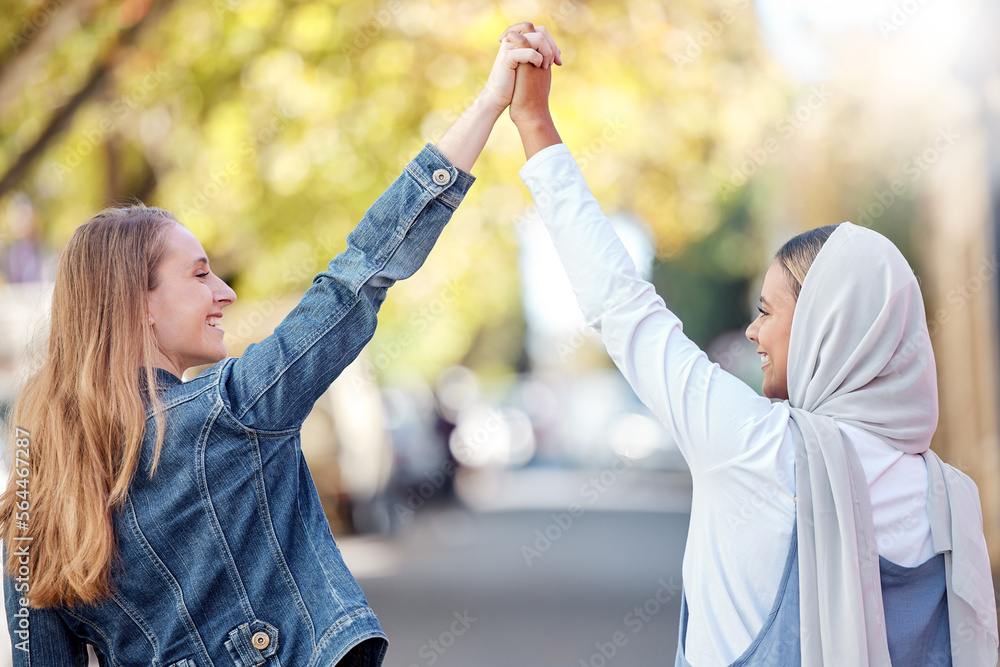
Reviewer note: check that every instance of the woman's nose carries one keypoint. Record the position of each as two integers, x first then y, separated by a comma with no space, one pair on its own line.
752,331
225,293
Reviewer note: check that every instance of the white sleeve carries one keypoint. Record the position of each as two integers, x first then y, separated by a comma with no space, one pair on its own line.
714,417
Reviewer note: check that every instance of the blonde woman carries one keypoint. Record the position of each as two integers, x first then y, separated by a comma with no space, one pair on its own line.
175,523
823,530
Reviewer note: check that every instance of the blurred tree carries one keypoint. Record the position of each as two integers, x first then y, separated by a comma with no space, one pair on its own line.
268,128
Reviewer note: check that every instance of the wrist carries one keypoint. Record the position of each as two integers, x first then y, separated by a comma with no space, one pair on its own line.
532,120
464,140
488,105
537,132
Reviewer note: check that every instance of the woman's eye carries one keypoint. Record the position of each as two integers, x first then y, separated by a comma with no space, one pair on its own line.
761,311
202,275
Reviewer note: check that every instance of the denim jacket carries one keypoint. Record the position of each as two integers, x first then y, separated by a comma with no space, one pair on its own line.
225,556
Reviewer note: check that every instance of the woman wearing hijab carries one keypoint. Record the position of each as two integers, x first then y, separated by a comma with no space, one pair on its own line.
175,523
823,530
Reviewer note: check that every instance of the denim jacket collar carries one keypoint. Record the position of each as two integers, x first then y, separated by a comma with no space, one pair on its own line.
164,381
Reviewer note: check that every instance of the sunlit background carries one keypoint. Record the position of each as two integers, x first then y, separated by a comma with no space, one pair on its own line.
494,484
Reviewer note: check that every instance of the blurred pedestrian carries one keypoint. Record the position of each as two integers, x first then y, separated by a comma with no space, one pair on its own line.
175,523
823,531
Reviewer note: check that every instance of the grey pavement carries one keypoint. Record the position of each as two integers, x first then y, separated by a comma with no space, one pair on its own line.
531,587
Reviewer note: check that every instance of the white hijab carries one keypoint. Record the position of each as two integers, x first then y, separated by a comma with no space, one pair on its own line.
860,354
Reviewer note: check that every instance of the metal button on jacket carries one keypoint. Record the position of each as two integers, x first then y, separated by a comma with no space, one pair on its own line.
260,640
442,176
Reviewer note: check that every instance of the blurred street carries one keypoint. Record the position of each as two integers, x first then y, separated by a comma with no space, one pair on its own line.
455,586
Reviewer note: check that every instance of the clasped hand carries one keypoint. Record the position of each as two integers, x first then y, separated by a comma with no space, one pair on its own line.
521,77
522,73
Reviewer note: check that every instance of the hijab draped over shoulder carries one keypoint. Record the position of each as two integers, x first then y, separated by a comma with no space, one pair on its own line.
860,354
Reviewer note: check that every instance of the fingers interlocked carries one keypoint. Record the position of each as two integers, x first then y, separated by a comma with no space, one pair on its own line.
527,35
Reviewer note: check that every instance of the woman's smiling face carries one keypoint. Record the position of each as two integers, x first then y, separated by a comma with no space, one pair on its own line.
773,328
185,309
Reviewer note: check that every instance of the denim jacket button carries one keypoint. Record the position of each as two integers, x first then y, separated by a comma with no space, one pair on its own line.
442,176
260,640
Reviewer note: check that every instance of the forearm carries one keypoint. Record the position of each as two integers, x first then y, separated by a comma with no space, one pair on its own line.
612,295
599,267
463,142
275,383
397,232
706,409
530,110
634,324
537,133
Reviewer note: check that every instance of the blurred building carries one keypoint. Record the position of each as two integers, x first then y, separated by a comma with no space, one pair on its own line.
909,145
961,254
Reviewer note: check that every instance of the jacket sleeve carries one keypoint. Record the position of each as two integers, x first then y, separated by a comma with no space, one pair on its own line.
713,416
275,383
38,637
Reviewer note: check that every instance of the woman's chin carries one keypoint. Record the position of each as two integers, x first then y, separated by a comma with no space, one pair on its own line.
772,393
775,394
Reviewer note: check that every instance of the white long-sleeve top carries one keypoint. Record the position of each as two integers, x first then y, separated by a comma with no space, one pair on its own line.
737,443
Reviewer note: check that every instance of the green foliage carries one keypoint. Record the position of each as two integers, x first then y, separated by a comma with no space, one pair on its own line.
269,127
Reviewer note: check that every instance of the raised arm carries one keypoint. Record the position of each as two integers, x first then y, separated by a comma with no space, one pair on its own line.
275,383
712,415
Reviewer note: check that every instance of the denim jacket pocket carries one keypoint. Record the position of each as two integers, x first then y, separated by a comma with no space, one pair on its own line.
186,662
251,644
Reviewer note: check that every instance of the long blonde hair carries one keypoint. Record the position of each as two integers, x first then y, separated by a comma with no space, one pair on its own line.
81,413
